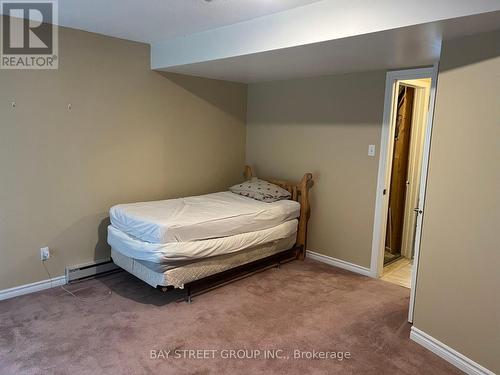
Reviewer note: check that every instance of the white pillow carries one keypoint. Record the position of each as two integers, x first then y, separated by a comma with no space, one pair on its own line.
260,190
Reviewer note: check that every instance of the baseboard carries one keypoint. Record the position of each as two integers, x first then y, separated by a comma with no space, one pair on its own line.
90,269
32,288
448,354
339,263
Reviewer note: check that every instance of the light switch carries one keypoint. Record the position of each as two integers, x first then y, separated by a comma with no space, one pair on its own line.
371,150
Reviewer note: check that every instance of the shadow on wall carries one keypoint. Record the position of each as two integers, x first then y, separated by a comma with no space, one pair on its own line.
227,99
326,100
456,58
102,249
77,240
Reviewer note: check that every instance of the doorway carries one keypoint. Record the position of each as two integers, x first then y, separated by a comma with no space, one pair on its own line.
410,118
404,152
399,172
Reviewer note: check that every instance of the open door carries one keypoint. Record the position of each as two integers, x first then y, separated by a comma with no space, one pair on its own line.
419,210
388,148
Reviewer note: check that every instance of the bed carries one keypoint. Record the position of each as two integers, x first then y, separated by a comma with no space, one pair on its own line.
185,242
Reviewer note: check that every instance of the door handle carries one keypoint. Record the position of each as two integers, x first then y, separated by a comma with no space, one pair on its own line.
418,210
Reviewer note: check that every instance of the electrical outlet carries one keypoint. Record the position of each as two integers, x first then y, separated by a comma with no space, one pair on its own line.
44,253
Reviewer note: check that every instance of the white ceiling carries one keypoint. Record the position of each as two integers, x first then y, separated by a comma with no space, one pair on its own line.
156,20
392,49
259,40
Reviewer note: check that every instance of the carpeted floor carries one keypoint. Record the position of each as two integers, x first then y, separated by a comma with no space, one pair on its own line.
303,306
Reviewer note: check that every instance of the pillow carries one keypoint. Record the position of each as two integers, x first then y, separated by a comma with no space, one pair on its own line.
260,190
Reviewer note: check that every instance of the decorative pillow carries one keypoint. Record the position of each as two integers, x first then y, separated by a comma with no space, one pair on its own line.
260,190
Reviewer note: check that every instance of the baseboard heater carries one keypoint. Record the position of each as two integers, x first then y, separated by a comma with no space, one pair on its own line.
90,269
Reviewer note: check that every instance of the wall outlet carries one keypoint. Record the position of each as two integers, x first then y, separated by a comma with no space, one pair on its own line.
44,253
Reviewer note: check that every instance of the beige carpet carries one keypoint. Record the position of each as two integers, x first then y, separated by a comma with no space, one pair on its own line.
304,306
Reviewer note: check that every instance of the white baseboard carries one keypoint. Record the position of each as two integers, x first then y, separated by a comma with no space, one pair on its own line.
448,354
89,269
339,263
32,288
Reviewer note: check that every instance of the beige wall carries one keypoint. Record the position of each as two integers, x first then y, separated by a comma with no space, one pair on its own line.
323,125
458,290
131,135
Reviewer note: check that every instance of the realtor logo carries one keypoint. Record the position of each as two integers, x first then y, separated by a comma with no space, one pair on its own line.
29,35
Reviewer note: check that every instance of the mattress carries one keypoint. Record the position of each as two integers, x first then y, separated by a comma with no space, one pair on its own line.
179,251
178,276
201,217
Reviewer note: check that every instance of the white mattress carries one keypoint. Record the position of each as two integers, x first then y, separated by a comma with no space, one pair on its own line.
200,217
176,251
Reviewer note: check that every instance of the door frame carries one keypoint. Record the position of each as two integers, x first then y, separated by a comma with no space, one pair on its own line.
385,166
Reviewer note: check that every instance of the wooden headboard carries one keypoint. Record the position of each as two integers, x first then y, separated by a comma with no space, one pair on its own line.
300,193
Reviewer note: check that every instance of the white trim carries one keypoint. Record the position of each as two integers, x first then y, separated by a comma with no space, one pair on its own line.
384,171
32,288
339,263
450,355
381,201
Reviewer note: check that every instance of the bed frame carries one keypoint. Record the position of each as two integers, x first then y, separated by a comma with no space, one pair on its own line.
299,193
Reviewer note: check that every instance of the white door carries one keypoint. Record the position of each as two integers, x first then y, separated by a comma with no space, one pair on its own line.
420,210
